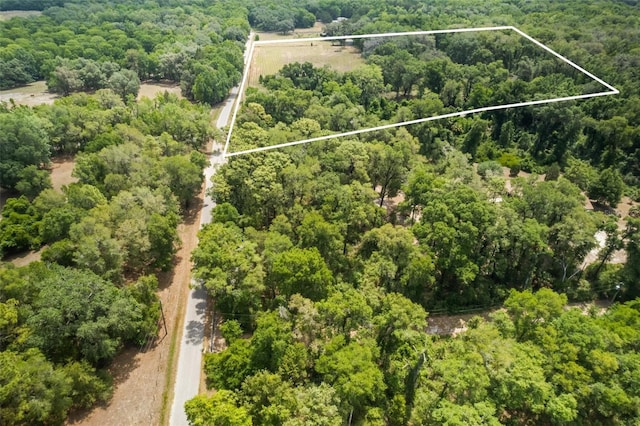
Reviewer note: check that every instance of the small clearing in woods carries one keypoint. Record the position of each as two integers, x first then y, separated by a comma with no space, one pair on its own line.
151,90
8,14
314,31
32,94
61,169
37,94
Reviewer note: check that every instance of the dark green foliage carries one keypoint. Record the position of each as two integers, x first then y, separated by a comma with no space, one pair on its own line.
19,227
32,181
79,315
59,325
607,189
23,142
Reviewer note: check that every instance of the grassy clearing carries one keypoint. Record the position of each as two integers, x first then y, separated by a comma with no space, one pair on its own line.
8,14
269,59
151,90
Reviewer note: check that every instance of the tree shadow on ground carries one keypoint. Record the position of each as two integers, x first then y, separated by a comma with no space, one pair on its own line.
189,217
195,332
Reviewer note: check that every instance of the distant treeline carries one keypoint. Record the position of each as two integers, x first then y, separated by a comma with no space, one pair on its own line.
29,4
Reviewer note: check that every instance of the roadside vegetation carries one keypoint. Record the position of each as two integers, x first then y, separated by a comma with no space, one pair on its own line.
325,259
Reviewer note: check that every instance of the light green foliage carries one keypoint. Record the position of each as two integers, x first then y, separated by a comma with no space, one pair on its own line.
580,173
301,271
316,232
229,368
231,331
316,405
270,341
488,169
607,189
399,322
530,310
220,409
228,265
87,385
33,391
269,398
351,369
347,311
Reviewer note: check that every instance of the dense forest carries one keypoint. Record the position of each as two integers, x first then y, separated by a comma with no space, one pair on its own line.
325,259
333,281
138,166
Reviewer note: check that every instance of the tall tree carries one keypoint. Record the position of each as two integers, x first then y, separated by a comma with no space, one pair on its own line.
23,142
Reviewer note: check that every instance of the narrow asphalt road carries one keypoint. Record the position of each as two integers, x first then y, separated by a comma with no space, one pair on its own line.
187,381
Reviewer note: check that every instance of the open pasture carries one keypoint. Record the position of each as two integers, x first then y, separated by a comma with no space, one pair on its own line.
269,59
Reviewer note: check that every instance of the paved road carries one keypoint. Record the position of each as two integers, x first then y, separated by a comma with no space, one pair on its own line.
190,357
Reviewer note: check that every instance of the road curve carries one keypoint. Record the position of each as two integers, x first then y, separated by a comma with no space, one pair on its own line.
187,381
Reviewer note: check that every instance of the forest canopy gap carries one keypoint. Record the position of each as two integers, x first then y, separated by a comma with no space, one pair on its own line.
611,90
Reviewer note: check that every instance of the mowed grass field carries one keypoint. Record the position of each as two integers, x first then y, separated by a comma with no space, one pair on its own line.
270,59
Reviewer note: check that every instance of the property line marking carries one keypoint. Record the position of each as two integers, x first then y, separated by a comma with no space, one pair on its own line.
612,90
238,100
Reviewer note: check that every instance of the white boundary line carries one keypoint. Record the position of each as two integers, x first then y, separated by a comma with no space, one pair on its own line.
612,90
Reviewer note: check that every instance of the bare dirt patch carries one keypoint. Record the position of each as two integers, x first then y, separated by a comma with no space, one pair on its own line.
61,170
32,94
23,259
450,325
151,90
